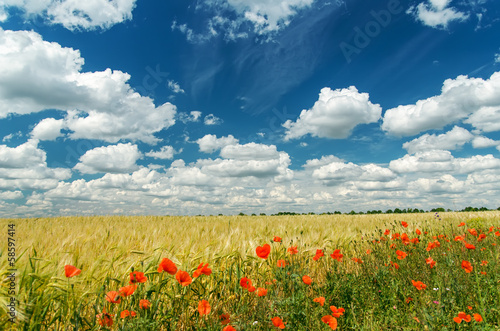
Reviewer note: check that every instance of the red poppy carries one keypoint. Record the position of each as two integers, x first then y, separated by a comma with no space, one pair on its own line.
467,266
277,239
127,290
408,299
331,321
418,232
292,250
144,304
358,260
261,292
478,318
245,282
202,269
307,280
224,319
337,312
203,307
401,255
229,328
104,319
168,266
281,263
387,231
405,239
113,297
336,255
415,240
459,238
461,224
263,251
483,263
277,322
472,232
497,233
71,271
183,278
404,224
320,300
462,317
481,237
319,254
251,288
469,246
368,251
127,313
137,277
430,262
419,285
395,265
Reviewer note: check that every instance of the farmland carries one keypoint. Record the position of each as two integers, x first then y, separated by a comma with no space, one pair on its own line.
366,272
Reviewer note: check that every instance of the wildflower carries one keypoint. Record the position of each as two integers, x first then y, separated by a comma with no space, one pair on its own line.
401,255
469,307
245,282
483,263
409,299
113,297
144,304
436,302
462,317
331,321
387,231
358,260
71,271
466,266
203,307
281,263
224,319
395,265
127,313
104,319
307,280
277,322
430,262
183,278
137,277
491,229
368,251
497,233
319,254
251,289
263,251
168,266
461,224
481,237
416,319
469,246
292,250
472,232
337,312
261,292
459,238
414,240
418,232
320,300
277,239
483,273
478,318
404,224
405,239
229,328
336,255
202,269
419,285
127,290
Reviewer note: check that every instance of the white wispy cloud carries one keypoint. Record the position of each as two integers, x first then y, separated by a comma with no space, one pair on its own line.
436,13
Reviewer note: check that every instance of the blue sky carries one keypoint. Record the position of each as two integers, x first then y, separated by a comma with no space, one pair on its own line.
208,107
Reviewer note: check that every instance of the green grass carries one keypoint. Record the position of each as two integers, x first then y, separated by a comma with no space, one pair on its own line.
374,294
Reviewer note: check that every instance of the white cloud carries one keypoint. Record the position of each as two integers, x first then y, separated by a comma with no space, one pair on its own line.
444,184
250,151
165,153
210,143
497,58
119,158
175,87
74,14
436,13
48,129
193,116
484,142
36,75
424,161
473,100
334,115
11,195
451,140
211,119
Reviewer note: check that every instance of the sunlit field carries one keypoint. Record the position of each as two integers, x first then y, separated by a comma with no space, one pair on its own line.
310,272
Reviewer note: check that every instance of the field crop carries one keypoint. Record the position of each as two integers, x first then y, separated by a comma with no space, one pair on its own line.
360,272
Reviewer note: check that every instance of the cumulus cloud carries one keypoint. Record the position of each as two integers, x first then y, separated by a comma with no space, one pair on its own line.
193,116
211,119
436,13
334,115
74,14
473,100
210,143
48,129
119,158
484,142
451,140
165,153
36,75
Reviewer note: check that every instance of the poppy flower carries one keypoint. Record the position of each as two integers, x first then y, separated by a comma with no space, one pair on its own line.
113,297
127,290
224,319
277,239
71,271
331,321
401,255
168,266
358,260
462,317
336,255
251,289
307,280
368,251
419,285
337,312
469,246
459,238
386,232
292,250
104,319
430,262
263,251
281,263
461,224
481,237
202,269
229,328
183,278
261,292
395,265
245,282
467,266
137,277
127,313
469,307
320,300
404,224
478,318
408,299
144,304
319,254
405,239
472,232
483,263
497,233
277,322
418,232
415,240
203,307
